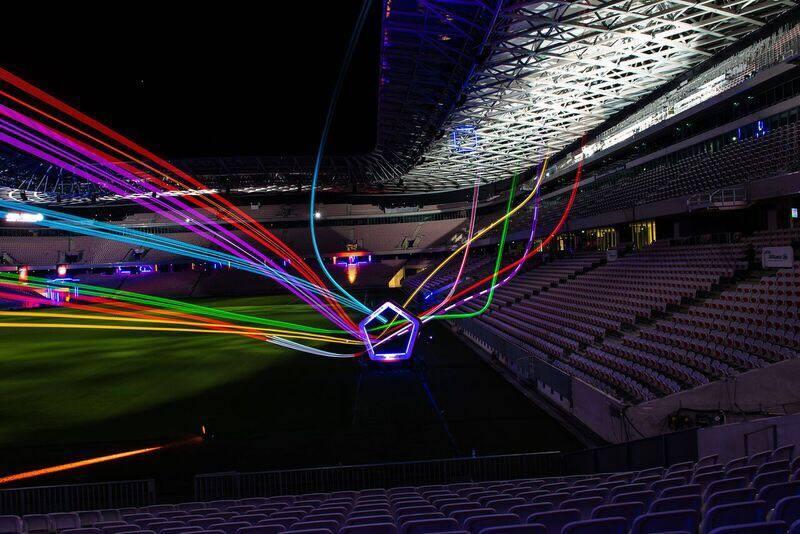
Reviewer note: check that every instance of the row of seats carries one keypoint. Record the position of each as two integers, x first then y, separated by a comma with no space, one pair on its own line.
759,493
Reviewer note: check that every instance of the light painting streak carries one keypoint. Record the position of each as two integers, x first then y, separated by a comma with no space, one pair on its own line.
91,461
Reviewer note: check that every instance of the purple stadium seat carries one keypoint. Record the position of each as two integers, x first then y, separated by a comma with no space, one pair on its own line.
746,472
204,523
724,485
64,521
425,526
526,510
730,497
111,515
120,529
317,516
161,527
555,498
765,479
772,493
333,526
369,520
515,529
734,514
222,505
181,530
82,530
665,483
786,510
773,465
771,527
686,489
611,525
668,504
309,531
252,519
794,528
629,510
503,504
644,497
480,522
369,528
462,515
677,521
282,523
594,492
10,524
785,452
102,524
556,520
261,529
448,509
584,506
230,528
89,518
414,510
156,508
253,501
419,517
759,458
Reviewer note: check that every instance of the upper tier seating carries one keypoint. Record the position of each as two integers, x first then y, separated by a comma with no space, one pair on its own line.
759,494
583,325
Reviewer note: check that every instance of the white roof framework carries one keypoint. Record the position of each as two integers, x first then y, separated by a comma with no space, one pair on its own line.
557,69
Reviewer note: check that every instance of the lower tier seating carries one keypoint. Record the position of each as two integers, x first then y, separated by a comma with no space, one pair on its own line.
758,494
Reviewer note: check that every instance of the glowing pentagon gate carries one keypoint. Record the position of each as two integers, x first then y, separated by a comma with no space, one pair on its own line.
389,356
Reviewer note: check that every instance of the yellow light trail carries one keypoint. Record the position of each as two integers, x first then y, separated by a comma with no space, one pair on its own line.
157,329
481,233
231,328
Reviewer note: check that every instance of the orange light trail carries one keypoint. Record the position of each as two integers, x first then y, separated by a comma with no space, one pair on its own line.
91,461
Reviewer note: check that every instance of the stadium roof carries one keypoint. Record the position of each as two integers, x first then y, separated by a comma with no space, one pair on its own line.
549,71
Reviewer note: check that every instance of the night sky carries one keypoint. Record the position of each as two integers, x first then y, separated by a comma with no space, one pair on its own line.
204,80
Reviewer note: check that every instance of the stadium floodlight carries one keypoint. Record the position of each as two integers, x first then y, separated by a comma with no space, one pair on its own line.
412,333
15,216
317,215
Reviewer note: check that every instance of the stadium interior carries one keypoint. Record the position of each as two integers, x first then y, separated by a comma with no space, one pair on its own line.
538,272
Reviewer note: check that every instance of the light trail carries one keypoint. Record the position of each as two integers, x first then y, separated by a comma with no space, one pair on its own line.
92,461
153,204
480,233
260,234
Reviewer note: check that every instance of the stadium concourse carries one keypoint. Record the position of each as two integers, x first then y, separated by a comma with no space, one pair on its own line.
558,292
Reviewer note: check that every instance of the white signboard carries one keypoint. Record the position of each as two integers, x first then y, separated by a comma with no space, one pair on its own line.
777,257
611,255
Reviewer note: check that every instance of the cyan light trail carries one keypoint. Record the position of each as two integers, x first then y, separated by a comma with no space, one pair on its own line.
362,16
169,172
63,221
326,311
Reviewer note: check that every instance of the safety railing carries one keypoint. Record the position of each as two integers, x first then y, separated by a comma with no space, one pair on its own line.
357,477
66,498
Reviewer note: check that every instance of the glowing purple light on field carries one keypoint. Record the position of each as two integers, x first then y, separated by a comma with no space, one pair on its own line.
389,356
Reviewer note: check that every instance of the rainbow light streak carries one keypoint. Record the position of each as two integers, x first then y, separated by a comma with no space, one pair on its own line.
110,231
149,300
470,231
413,323
498,261
297,291
479,234
545,242
251,227
502,282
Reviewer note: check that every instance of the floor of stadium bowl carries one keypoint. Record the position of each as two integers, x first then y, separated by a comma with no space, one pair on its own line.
85,395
